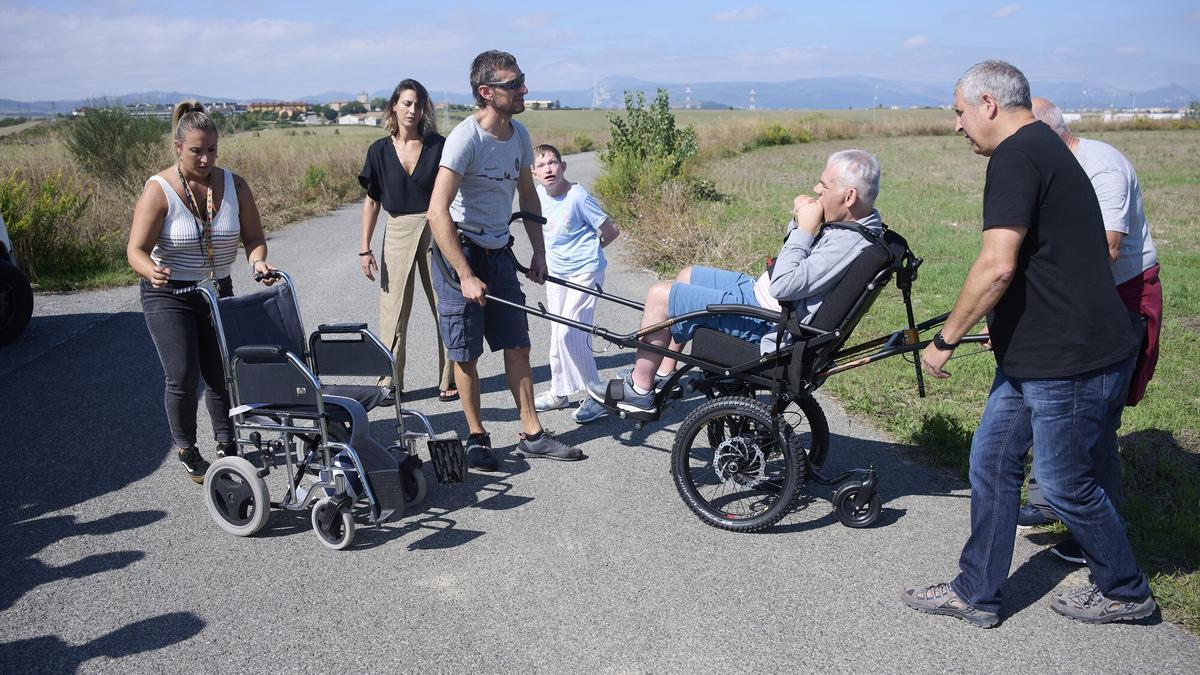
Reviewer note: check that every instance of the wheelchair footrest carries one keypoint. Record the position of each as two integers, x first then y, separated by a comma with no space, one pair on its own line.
382,473
449,459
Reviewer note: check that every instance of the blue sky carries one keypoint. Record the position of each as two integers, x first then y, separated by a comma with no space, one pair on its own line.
246,49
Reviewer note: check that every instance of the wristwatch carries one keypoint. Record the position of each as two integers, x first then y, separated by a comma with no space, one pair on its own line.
940,342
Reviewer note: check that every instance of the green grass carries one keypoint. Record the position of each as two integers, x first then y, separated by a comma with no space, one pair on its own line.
932,194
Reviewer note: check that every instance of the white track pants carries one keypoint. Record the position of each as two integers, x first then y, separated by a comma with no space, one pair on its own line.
572,363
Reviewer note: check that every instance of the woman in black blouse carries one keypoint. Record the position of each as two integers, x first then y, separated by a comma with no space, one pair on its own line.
398,176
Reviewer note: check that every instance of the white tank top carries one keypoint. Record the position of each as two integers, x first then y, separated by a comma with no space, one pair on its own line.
179,246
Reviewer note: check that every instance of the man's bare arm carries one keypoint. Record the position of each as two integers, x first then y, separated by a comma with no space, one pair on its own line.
528,199
987,281
1114,245
441,225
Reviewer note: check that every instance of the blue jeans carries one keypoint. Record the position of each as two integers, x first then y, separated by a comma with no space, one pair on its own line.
1066,419
711,286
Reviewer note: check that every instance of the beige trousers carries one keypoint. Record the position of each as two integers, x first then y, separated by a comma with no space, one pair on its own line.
406,252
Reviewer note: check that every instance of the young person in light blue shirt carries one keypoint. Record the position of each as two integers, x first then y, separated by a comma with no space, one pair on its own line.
576,231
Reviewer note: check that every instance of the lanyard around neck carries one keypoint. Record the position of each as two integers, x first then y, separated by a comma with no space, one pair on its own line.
203,228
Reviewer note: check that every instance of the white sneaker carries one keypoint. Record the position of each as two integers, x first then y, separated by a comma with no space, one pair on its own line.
547,401
588,411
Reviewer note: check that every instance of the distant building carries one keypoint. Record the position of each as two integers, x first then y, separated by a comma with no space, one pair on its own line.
285,109
363,98
540,104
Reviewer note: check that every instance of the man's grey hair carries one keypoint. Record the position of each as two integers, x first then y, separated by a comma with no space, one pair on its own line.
1052,116
858,169
1001,80
483,70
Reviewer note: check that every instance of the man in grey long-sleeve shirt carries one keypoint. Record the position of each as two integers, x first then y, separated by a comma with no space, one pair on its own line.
811,262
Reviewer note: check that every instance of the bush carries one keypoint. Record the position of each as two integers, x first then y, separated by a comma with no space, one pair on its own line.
41,222
315,177
776,134
646,148
118,148
584,143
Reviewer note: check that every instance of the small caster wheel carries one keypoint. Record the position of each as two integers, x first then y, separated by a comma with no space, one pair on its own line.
412,478
335,529
236,497
848,513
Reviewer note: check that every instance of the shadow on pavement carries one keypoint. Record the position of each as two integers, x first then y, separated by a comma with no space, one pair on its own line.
50,653
90,419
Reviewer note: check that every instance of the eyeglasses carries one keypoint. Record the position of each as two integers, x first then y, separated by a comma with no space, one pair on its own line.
512,85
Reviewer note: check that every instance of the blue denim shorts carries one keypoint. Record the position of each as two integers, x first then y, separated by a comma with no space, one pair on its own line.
464,324
711,286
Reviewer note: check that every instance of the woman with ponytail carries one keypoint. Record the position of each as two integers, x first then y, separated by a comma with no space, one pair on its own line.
186,228
398,176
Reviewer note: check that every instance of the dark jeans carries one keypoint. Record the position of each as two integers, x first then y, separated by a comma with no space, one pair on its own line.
1108,454
1066,419
187,346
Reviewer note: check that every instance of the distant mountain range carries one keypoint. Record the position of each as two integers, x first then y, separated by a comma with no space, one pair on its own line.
812,93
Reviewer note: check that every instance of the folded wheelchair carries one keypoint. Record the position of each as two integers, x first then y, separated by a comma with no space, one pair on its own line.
286,409
740,459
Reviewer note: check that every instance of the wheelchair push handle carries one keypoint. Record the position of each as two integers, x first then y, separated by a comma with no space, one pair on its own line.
452,278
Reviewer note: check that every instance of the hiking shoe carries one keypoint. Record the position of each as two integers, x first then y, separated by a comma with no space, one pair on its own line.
630,400
588,411
941,599
1089,605
1069,550
194,463
546,401
229,449
1032,516
479,453
548,447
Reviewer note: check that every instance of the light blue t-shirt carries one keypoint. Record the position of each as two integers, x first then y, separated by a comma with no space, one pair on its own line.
572,232
489,168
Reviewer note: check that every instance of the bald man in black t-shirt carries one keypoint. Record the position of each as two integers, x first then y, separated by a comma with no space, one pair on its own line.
1063,348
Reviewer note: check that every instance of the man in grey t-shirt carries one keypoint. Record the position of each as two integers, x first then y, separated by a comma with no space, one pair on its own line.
487,158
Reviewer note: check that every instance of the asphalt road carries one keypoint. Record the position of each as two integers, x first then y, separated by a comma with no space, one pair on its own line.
110,561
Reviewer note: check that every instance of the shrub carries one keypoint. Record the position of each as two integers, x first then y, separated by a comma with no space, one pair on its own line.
41,222
118,148
315,177
584,143
646,148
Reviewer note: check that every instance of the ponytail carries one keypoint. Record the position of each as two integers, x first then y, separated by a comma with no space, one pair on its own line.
189,116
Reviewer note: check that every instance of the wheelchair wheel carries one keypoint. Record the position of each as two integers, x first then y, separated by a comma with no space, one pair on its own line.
415,485
236,497
334,524
848,513
808,424
731,471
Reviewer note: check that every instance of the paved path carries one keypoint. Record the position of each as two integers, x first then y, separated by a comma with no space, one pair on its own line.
110,561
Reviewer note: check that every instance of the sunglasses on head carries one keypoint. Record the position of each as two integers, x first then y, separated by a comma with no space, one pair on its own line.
512,85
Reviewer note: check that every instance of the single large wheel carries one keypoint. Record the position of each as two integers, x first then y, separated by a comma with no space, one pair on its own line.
729,467
16,302
236,497
333,523
851,515
808,425
415,484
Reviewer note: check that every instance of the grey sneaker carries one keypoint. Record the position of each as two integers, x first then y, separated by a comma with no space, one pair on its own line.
588,411
548,447
630,399
941,599
546,401
626,373
1089,605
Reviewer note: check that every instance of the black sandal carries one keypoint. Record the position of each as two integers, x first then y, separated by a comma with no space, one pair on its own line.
448,395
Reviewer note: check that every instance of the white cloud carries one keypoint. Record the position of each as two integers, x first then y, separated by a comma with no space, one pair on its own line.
741,15
1129,50
916,41
533,21
1007,10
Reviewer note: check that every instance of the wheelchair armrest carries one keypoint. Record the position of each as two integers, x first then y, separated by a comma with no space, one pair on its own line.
744,310
262,353
341,327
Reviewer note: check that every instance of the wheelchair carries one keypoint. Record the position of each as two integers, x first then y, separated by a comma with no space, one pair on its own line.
740,460
285,409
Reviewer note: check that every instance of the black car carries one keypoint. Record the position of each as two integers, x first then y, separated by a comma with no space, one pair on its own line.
16,297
